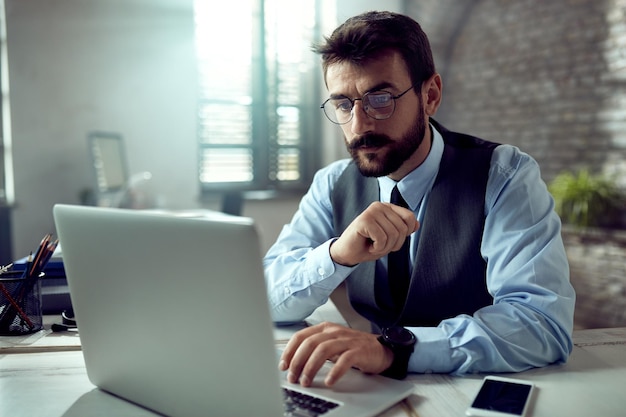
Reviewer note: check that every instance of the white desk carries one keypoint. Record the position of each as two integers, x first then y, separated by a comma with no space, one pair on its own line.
592,383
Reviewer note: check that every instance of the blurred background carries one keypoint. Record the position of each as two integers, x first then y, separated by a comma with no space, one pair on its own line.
215,105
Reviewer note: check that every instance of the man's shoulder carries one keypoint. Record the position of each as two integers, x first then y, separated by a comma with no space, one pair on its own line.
504,154
508,159
462,140
333,171
326,177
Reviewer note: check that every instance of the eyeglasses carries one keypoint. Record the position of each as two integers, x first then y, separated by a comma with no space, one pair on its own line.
378,105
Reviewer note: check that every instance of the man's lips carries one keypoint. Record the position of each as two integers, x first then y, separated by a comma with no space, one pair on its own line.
370,142
368,149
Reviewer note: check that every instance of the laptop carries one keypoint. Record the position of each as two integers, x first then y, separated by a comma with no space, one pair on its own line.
173,315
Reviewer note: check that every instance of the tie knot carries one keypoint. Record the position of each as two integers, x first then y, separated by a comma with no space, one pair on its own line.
396,198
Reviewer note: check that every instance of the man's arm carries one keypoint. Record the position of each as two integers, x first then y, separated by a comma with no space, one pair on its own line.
531,321
299,271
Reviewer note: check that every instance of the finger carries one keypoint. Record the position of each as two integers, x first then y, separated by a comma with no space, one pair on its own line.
365,353
378,236
383,226
294,343
325,341
301,351
339,369
347,348
330,348
407,216
390,230
400,235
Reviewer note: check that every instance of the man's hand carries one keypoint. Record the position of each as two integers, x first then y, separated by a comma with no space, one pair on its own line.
309,348
380,229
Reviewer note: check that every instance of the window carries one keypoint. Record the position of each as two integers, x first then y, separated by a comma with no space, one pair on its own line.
6,161
258,112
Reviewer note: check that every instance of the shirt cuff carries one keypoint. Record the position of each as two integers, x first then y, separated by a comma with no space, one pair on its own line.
322,267
432,352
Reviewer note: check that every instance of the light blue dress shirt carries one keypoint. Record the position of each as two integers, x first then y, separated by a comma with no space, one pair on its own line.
531,319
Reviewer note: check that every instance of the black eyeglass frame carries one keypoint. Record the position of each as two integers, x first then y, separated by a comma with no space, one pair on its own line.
353,101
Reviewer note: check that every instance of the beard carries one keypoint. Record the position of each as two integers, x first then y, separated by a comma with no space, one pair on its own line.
379,164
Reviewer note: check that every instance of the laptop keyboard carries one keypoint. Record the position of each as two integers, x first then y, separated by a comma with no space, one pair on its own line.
298,404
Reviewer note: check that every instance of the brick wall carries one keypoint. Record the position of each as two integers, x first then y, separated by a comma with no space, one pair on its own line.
598,274
547,76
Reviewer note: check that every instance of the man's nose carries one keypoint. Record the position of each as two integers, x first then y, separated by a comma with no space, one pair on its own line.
361,123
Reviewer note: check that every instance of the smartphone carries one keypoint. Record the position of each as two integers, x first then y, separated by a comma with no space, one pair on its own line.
501,397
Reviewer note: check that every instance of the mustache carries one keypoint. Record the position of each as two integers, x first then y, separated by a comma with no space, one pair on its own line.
370,140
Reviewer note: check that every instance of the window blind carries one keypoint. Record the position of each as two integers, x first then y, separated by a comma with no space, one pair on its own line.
258,93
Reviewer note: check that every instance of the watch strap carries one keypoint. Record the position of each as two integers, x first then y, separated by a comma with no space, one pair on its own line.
401,355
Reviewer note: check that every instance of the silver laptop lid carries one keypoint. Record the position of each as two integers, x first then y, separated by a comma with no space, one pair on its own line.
172,311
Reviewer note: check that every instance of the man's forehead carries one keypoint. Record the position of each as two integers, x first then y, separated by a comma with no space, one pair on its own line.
385,71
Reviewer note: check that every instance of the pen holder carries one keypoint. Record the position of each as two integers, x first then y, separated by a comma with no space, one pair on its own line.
20,304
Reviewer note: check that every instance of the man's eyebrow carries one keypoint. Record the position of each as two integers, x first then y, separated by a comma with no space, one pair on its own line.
380,86
337,96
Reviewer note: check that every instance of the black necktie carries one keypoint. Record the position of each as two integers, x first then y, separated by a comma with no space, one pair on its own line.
398,268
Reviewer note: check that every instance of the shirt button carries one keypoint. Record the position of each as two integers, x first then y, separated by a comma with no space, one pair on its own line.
321,271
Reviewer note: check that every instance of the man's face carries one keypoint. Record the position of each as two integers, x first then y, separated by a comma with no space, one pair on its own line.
381,147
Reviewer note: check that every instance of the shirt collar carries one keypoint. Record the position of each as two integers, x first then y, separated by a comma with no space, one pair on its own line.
418,181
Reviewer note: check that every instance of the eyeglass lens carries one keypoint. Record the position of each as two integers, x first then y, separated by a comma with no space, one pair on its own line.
377,105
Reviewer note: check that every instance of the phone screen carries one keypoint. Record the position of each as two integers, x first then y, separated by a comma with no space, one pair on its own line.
502,396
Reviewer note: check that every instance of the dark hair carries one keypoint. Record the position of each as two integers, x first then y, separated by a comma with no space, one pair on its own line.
361,38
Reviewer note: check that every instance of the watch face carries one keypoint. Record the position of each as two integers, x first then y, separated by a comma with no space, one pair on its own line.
399,335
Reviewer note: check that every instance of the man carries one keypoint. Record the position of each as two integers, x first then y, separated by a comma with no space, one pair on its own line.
487,289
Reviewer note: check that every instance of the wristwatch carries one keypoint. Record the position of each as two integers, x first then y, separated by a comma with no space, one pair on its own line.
401,342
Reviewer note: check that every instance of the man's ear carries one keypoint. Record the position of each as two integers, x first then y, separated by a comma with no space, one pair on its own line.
432,89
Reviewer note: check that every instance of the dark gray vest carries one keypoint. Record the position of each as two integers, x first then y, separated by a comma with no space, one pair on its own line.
449,274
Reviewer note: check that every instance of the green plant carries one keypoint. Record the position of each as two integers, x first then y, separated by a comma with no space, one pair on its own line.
587,200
